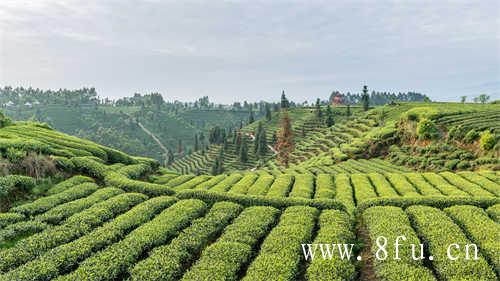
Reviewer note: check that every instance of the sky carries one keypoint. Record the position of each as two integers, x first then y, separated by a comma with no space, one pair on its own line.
252,50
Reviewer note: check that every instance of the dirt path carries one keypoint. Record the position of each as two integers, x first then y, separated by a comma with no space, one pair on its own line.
165,150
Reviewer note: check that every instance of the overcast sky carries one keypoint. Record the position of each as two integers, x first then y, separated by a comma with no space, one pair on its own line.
236,50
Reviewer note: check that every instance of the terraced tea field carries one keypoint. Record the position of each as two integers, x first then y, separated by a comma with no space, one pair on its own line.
119,217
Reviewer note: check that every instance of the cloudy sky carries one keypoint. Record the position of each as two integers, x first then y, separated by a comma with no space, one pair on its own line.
236,50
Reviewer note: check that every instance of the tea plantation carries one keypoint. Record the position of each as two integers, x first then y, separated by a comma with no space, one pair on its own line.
76,210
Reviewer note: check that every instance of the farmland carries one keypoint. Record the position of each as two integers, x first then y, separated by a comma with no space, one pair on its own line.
91,212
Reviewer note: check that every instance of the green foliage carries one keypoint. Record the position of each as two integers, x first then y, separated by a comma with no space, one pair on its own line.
487,141
471,136
167,262
56,261
9,218
438,229
121,181
256,200
111,262
68,183
427,130
279,254
476,223
391,222
45,203
11,183
333,226
74,227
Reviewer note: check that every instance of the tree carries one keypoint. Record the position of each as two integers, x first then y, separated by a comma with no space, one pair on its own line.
257,135
284,145
348,110
483,98
217,166
268,112
196,145
251,118
284,101
462,99
179,147
244,151
170,157
329,117
237,142
365,98
157,100
318,108
260,142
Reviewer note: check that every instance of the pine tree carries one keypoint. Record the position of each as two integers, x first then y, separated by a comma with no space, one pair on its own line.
244,151
170,157
284,101
284,144
262,145
318,108
258,133
329,117
251,118
365,98
215,166
268,112
238,142
196,145
179,148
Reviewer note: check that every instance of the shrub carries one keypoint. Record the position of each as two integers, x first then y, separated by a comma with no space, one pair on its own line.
471,136
392,222
14,155
279,255
73,227
333,226
437,229
303,186
168,262
134,171
254,200
325,187
89,166
9,218
121,181
58,260
45,203
61,212
12,183
494,212
344,192
261,185
220,261
281,186
487,141
476,223
462,165
451,164
75,180
427,130
111,262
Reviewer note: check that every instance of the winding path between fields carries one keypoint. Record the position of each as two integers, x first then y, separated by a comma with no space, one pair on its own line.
165,150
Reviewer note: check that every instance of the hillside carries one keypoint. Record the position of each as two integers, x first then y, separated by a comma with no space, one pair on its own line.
117,126
100,214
